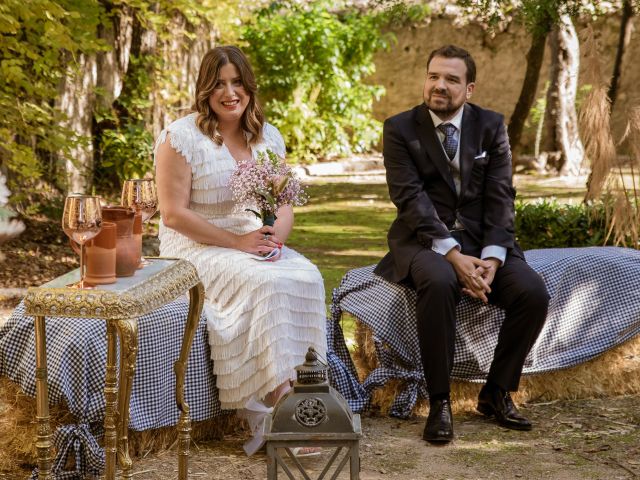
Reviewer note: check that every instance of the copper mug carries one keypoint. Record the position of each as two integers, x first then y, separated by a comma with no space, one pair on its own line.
100,256
128,251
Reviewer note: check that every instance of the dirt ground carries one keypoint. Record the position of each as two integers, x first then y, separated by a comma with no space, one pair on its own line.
592,439
588,439
571,440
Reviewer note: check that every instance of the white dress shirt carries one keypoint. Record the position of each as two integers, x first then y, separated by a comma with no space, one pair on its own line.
444,245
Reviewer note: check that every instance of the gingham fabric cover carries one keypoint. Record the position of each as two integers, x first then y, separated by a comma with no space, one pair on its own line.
594,306
76,362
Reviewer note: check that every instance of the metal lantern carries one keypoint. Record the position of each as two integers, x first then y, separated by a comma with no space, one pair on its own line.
312,414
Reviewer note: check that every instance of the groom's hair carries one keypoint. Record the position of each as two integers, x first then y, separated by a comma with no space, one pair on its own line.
253,116
451,51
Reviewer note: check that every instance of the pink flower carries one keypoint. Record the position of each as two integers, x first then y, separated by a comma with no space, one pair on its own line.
266,185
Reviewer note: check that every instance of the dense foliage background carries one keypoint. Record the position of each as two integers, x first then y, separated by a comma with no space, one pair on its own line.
87,85
312,64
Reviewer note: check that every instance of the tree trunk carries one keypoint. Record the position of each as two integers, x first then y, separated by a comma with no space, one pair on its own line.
561,115
623,42
114,63
113,66
79,101
550,145
184,55
76,101
534,57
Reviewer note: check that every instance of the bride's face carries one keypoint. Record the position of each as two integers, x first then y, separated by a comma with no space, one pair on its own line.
229,98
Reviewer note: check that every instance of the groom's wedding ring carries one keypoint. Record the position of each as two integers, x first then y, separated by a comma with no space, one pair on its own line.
266,236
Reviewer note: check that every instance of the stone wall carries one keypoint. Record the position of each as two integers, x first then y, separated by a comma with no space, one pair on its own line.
501,65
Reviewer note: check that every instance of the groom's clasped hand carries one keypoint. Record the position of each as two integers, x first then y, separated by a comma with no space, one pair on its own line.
475,275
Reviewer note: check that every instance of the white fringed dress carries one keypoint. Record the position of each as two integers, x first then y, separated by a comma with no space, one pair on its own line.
261,316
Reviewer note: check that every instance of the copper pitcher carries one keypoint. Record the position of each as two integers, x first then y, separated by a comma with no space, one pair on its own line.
128,249
100,256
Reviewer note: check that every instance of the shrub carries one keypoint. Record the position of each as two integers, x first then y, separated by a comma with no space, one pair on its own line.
311,63
549,224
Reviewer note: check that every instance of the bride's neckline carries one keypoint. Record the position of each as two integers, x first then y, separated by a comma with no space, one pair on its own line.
237,162
243,150
226,147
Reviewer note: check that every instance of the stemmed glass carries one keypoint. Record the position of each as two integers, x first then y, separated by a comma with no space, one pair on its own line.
81,221
140,194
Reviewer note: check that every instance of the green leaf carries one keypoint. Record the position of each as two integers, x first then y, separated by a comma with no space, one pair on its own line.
254,212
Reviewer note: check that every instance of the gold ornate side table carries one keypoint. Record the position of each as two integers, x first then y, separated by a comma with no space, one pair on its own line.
119,304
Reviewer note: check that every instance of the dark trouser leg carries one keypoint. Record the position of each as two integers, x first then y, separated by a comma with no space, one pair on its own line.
520,291
438,295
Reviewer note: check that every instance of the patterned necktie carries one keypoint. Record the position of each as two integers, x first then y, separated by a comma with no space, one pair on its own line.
450,142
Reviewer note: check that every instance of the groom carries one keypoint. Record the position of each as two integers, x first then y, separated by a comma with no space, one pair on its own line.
448,166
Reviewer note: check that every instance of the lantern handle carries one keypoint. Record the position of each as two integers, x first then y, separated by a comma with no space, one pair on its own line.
320,358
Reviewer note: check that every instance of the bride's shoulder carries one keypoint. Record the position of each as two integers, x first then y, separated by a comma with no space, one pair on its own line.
273,139
183,135
186,123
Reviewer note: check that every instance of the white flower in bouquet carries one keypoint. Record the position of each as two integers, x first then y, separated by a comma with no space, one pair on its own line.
266,184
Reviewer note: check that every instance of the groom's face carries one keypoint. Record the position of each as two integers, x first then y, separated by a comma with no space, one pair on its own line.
446,88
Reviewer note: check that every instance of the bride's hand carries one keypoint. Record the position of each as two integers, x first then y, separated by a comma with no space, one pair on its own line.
258,242
277,257
279,244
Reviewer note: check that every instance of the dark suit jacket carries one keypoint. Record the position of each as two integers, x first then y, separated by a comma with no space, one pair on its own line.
422,188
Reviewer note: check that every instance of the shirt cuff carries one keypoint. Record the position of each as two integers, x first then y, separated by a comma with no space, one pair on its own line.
444,245
494,251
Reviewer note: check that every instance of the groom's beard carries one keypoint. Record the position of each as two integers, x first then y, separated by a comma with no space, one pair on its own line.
443,104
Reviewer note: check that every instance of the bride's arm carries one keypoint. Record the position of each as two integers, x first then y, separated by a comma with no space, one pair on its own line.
284,223
173,179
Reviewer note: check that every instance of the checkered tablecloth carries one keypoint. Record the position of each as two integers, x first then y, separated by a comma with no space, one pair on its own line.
594,306
76,362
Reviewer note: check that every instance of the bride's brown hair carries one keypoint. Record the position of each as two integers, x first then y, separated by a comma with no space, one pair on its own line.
252,119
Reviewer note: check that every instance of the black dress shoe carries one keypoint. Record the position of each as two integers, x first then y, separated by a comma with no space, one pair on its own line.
439,427
497,403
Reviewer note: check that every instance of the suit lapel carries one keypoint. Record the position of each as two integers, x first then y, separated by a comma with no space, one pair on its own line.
431,144
469,139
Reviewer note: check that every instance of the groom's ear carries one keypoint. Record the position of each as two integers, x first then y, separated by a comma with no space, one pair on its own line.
470,87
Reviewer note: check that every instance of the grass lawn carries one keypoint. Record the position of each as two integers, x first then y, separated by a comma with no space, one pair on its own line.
344,225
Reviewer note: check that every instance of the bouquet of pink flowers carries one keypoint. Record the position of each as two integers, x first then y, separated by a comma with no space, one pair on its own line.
265,185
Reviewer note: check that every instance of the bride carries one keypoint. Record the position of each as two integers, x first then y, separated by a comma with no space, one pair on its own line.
261,316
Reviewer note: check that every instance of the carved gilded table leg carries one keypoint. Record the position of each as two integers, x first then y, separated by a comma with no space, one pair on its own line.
196,299
110,394
43,440
128,330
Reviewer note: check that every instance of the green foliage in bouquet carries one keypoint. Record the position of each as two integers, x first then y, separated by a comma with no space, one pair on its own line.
550,224
311,62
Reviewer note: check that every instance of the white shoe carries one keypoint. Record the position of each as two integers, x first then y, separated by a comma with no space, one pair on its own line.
255,412
300,452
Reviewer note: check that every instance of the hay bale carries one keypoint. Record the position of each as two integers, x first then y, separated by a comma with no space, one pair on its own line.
18,429
616,372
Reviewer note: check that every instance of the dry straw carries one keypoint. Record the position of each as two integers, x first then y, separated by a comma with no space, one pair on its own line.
616,372
594,120
18,430
608,180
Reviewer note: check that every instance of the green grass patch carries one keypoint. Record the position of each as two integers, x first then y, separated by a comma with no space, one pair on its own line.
344,226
